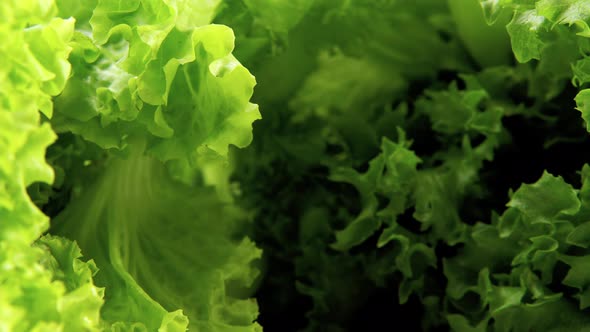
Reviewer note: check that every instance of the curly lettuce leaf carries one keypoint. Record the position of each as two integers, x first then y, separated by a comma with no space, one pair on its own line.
152,69
511,264
44,284
151,77
168,253
554,33
391,174
335,88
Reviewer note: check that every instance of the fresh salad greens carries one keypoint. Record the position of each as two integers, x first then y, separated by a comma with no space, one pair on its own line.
304,165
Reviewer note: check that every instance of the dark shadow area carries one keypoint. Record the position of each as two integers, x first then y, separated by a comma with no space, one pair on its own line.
526,158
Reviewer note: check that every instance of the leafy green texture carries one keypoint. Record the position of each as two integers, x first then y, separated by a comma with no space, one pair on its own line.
45,286
154,70
157,88
140,226
410,161
510,264
120,82
355,203
553,32
385,167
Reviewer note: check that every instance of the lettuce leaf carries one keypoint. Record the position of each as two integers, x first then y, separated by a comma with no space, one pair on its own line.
151,71
136,92
44,284
163,246
384,183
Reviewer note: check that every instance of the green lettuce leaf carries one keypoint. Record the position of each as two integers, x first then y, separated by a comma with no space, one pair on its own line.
44,285
511,264
151,69
145,122
163,247
135,91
